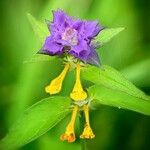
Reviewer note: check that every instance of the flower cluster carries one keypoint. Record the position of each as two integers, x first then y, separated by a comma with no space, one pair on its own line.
73,38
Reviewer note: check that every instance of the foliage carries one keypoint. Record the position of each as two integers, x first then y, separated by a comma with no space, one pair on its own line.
110,88
21,84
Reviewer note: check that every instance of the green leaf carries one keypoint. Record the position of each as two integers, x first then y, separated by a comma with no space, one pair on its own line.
111,78
107,34
40,29
119,99
35,121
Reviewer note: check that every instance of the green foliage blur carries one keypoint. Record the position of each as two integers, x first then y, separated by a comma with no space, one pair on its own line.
22,84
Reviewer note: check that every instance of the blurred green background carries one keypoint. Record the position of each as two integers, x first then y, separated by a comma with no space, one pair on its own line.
22,84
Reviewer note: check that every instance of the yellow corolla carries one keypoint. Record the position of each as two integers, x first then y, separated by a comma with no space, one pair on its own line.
79,97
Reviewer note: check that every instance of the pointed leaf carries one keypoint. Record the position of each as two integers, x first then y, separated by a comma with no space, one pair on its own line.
107,34
111,78
40,29
35,121
119,99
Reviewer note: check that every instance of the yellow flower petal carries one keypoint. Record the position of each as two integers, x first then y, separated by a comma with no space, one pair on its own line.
87,132
78,93
56,84
69,135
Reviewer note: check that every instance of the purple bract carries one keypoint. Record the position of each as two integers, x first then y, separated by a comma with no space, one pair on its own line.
72,36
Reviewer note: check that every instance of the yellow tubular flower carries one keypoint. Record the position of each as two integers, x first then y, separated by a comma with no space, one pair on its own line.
56,84
87,132
78,93
69,134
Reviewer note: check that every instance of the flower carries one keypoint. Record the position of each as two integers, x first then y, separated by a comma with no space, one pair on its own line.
78,93
56,84
87,132
69,135
73,37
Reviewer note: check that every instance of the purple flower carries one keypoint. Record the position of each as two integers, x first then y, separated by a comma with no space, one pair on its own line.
72,36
